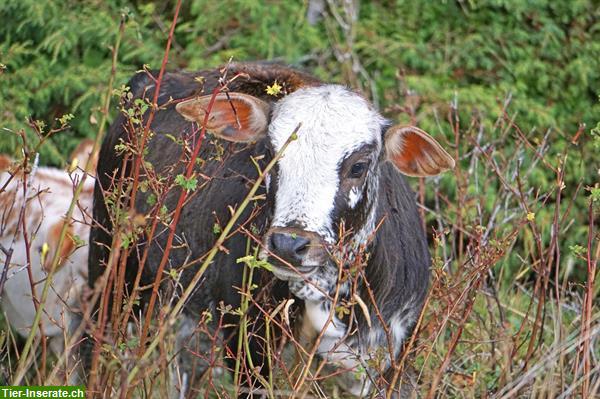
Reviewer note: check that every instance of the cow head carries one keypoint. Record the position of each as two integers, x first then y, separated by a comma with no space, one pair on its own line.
328,176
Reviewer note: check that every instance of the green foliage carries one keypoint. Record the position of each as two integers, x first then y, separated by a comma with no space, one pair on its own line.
471,56
252,262
543,52
187,184
56,55
476,63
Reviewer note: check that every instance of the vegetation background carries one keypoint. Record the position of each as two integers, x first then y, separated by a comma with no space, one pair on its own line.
510,86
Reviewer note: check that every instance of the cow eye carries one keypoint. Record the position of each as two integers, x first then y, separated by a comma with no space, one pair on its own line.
357,170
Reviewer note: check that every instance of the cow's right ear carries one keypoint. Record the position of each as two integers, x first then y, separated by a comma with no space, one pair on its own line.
234,117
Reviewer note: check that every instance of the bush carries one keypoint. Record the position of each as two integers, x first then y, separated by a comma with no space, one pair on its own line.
510,86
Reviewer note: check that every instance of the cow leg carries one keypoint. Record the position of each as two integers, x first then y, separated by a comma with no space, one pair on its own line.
190,365
361,380
364,381
356,381
347,355
406,386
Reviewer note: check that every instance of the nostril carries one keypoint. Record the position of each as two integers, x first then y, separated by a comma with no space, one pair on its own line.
301,245
290,246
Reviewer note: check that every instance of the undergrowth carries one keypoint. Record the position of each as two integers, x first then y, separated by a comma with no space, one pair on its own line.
511,89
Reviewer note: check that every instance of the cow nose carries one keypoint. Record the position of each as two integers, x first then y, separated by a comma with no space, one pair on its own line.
290,246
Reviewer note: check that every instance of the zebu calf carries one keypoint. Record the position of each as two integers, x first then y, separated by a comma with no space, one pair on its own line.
342,170
42,205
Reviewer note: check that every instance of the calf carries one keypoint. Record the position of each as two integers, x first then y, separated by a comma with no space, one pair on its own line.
32,215
335,194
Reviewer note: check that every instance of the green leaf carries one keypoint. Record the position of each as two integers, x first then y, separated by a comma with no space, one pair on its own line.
187,184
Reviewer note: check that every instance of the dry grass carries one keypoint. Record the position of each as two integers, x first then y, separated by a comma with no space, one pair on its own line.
510,312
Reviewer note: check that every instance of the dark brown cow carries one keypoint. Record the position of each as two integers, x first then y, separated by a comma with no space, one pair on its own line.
342,173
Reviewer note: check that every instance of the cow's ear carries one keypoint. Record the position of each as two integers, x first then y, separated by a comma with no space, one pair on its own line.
67,247
415,153
234,117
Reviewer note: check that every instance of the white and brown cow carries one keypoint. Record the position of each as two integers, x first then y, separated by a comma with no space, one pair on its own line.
343,173
34,206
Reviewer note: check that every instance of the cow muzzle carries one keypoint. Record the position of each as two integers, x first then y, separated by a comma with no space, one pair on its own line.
294,253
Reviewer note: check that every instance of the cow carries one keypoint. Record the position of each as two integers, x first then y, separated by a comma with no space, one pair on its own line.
32,216
336,194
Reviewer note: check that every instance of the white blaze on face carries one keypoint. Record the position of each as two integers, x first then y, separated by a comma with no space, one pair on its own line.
267,182
335,123
354,196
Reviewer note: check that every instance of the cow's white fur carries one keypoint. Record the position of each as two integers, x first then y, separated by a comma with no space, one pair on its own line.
335,123
354,197
268,182
49,195
351,354
398,325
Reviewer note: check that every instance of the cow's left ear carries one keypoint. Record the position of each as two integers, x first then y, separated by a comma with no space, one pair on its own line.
65,250
415,153
234,117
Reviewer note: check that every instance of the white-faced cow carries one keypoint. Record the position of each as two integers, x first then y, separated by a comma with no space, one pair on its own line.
342,174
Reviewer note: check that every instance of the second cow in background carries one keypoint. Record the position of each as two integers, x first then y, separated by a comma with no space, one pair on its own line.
32,216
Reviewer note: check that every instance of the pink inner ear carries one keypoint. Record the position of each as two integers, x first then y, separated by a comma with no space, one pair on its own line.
415,153
238,118
67,247
231,119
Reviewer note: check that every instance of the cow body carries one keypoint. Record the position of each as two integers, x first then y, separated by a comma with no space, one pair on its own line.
333,178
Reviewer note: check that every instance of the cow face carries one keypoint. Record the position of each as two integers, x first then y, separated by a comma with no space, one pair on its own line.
328,176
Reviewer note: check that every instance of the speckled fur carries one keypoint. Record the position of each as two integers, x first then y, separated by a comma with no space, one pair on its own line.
337,123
